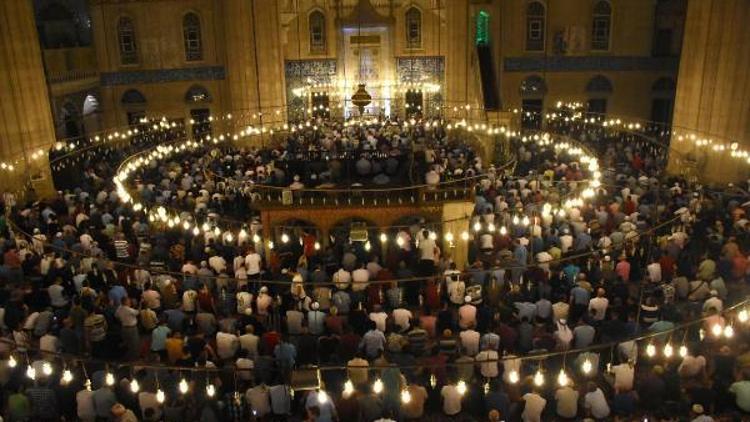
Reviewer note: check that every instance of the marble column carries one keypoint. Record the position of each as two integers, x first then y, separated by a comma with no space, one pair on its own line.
26,125
713,91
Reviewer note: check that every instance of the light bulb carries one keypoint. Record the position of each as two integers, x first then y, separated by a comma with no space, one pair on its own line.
217,231
716,330
67,376
477,226
683,351
525,221
183,386
742,316
503,231
134,386
31,372
196,231
668,350
383,237
650,350
461,387
87,384
210,390
586,367
368,246
47,368
243,234
728,331
284,238
317,246
109,379
160,395
433,236
487,387
433,381
256,238
205,227
491,227
186,225
515,220
449,237
12,362
348,388
562,378
513,376
400,241
539,378
377,387
229,237
464,235
322,397
270,244
405,396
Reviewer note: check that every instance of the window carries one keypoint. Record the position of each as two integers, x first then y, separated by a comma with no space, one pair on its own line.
191,32
600,26
482,36
413,28
126,38
197,94
317,31
599,89
535,15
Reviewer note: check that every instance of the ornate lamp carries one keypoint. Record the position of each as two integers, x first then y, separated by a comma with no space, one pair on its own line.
361,98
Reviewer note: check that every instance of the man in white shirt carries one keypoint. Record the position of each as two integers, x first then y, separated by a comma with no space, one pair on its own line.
253,262
532,411
379,317
451,400
598,305
469,341
217,263
654,271
401,318
596,403
567,402
360,279
226,345
691,366
342,278
249,341
294,319
244,302
467,314
487,361
128,318
188,300
624,374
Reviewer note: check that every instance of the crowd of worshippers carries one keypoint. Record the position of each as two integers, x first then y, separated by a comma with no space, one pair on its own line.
566,282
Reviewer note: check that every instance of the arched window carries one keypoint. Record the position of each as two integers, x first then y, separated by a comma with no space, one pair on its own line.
599,85
135,106
126,38
532,90
535,17
598,88
413,28
133,97
601,25
317,31
191,32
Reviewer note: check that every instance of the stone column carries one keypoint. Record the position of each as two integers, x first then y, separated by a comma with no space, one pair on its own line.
26,125
713,93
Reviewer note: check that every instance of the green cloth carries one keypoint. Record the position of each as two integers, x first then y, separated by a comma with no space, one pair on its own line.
741,390
19,408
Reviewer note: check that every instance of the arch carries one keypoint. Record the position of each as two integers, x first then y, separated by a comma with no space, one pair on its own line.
317,27
192,37
413,21
133,97
599,84
197,94
533,86
601,22
126,37
536,16
90,104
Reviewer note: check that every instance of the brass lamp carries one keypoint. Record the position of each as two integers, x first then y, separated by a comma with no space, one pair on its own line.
361,98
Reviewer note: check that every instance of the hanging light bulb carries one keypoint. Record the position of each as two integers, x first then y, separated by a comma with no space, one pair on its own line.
486,387
47,369
433,381
160,395
742,316
322,397
503,231
400,241
87,384
377,386
650,350
196,231
210,390
368,246
433,236
256,238
405,396
12,362
31,372
477,226
109,379
134,386
229,237
217,231
205,227
348,388
317,246
461,387
525,221
668,351
383,237
67,377
683,351
270,244
716,330
464,235
242,234
539,378
449,237
183,386
513,376
515,220
586,367
562,378
284,238
186,225
491,227
728,331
